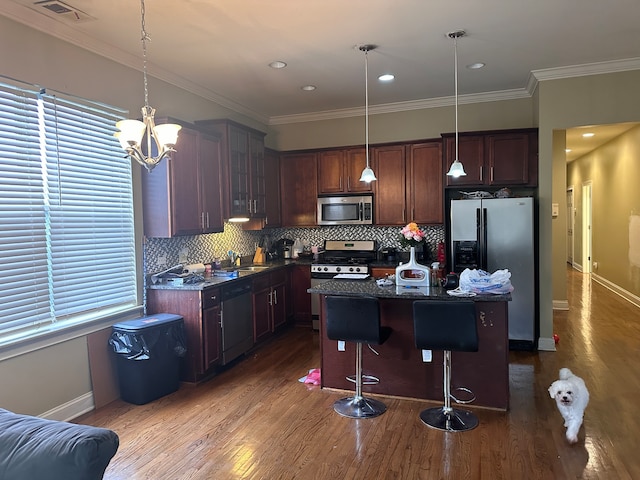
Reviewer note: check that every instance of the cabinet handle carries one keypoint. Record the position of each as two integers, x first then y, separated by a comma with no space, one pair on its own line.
270,298
340,184
275,296
481,173
207,220
349,183
491,174
255,206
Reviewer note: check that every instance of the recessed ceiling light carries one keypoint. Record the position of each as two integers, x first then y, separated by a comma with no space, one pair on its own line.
387,77
588,135
277,64
308,88
476,66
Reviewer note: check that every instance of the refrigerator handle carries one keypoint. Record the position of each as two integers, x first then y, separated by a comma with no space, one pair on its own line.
479,242
484,239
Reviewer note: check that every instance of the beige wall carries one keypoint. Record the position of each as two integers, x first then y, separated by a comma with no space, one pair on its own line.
613,171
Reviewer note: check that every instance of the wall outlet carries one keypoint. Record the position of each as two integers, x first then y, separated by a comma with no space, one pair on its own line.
183,255
595,265
161,261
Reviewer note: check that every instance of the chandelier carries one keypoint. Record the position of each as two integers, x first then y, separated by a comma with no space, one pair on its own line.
132,132
367,174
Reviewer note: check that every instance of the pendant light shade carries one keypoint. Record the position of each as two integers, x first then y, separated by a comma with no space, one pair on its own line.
367,174
132,132
456,170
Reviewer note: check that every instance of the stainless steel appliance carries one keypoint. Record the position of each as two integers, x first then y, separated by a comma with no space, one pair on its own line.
497,233
340,256
237,320
345,210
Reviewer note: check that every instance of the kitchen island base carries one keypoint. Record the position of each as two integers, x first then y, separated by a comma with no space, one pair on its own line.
402,372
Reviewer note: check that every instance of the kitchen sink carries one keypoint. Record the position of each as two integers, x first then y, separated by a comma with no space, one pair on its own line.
252,269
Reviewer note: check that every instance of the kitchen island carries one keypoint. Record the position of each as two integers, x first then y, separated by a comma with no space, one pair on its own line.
399,365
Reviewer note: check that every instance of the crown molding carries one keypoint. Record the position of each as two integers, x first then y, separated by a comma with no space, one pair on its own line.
587,69
401,106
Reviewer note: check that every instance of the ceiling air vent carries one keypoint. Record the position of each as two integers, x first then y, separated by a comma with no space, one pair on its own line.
63,11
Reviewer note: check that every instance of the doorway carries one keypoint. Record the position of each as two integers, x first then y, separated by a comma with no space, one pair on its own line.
586,227
571,218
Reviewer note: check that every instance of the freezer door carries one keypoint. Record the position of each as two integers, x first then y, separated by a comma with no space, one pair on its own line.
510,244
463,220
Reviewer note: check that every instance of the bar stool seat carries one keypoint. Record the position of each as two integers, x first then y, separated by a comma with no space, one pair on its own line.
357,320
447,326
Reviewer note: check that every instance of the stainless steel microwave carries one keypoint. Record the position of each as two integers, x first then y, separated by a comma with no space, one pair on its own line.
345,210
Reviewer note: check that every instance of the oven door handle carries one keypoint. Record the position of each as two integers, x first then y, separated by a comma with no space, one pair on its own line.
361,211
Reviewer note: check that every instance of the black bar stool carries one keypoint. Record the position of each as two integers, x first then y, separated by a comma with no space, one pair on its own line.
448,326
356,319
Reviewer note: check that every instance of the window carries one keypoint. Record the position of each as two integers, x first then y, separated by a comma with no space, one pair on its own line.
67,245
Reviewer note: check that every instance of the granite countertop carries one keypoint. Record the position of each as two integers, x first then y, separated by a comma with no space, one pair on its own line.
225,276
369,287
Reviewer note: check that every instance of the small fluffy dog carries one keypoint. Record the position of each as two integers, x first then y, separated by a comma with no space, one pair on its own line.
571,396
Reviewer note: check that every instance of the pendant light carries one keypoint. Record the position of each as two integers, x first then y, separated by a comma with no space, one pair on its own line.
367,174
456,170
132,132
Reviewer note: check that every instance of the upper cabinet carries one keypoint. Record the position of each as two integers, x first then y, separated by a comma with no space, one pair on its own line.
273,217
410,183
181,196
243,167
504,158
298,182
339,171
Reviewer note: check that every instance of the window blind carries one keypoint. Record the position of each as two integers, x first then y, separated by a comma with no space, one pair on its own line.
68,214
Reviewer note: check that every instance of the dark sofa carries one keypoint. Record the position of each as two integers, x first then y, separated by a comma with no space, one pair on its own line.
33,448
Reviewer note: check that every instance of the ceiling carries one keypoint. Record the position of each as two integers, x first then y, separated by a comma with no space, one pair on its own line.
221,50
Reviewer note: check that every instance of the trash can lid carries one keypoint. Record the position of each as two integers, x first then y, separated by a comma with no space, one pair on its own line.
150,321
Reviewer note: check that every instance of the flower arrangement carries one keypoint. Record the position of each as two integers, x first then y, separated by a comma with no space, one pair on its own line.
412,235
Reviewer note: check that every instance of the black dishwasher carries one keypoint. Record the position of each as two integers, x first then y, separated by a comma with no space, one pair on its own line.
237,320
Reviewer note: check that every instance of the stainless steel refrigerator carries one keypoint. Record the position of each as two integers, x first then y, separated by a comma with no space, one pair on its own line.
497,233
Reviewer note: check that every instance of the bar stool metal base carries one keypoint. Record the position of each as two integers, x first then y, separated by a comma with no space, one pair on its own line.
359,407
452,420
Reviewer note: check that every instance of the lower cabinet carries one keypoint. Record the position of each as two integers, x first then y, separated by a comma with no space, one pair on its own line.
300,283
200,310
269,303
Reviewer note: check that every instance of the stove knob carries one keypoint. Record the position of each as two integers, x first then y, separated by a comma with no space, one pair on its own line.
326,269
338,269
357,269
351,269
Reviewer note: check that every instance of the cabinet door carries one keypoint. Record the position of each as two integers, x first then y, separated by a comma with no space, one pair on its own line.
331,172
261,314
279,305
238,172
185,185
470,154
210,179
508,158
301,282
211,328
298,181
390,198
355,162
425,183
273,216
257,196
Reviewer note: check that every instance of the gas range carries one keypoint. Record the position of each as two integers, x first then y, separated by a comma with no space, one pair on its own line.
345,256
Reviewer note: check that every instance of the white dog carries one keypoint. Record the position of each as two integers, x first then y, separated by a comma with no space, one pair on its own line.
572,397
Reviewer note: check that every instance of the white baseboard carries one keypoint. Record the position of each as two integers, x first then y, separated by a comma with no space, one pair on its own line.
546,344
72,409
561,305
630,297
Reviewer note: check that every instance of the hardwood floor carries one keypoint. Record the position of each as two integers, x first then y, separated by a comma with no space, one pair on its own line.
256,421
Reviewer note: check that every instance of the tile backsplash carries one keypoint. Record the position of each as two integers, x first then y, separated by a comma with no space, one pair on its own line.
161,253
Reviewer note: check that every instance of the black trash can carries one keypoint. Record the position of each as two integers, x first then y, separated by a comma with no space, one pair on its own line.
148,352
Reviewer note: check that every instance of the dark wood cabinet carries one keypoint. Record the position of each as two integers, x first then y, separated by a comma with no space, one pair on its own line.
269,298
201,313
298,183
300,283
339,171
181,196
502,159
410,184
243,168
273,214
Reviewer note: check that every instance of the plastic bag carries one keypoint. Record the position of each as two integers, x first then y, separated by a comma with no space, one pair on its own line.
479,281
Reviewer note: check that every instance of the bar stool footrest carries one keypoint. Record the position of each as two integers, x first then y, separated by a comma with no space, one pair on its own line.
366,379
